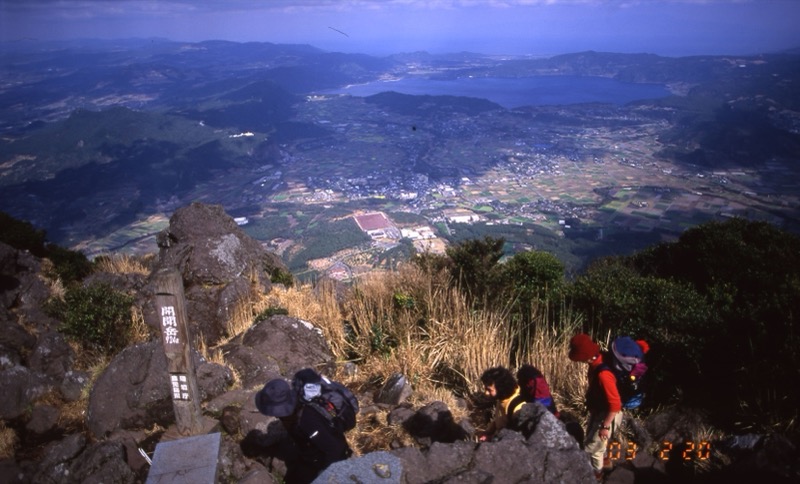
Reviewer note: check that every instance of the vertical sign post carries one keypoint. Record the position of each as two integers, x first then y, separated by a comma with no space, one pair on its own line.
171,308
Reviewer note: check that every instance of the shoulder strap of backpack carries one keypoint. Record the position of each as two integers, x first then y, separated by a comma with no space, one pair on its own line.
515,403
322,409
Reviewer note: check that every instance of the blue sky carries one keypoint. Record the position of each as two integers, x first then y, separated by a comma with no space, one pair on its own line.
538,27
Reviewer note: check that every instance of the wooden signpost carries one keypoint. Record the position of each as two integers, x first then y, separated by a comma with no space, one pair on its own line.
171,307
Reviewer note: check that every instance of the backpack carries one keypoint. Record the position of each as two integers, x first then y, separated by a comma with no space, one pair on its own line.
330,398
533,387
626,362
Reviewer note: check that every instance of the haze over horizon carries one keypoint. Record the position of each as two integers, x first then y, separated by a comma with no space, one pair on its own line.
532,27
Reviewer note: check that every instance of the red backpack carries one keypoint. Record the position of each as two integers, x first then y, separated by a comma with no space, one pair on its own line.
533,387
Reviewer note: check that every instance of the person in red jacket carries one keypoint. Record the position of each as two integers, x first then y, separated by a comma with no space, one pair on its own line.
602,399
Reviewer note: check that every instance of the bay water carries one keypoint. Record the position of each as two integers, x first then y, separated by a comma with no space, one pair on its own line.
517,92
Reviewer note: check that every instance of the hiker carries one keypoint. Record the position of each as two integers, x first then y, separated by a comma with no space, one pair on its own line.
534,388
319,442
501,385
602,399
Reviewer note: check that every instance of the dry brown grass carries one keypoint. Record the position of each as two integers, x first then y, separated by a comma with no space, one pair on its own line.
123,264
140,332
242,315
413,323
548,351
52,281
318,305
8,441
216,355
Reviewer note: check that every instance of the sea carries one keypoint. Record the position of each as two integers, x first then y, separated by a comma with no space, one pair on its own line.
517,92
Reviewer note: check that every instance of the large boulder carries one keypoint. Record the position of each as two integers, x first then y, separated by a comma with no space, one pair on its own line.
134,391
219,264
279,345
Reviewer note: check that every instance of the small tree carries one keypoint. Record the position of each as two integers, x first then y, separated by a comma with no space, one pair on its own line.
533,275
475,265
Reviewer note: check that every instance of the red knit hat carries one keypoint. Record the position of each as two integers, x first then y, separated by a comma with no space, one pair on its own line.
582,348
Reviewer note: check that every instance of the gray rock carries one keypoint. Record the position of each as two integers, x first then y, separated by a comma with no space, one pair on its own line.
434,423
212,379
11,472
279,345
102,463
22,289
20,387
473,476
9,357
14,339
375,467
130,440
400,415
51,356
508,460
54,468
44,419
132,392
73,385
258,474
395,391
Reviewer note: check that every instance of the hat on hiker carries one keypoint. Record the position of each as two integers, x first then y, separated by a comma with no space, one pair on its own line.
276,399
627,352
582,348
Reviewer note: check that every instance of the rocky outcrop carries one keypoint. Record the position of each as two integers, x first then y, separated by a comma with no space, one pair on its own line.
219,265
133,391
35,359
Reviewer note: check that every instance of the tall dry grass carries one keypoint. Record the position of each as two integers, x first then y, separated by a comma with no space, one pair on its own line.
8,441
123,264
416,323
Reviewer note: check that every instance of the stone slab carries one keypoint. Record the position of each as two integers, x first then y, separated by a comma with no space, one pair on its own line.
191,460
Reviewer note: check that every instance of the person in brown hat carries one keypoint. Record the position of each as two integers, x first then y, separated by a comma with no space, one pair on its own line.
602,399
319,443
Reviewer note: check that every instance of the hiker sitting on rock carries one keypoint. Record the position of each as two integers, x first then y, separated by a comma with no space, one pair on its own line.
320,443
501,385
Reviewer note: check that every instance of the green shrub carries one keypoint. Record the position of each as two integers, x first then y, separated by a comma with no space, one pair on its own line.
403,301
281,276
269,312
97,316
749,272
70,265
